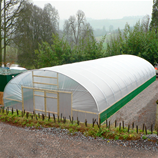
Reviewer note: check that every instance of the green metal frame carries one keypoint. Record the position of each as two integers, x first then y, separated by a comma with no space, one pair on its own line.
118,105
4,80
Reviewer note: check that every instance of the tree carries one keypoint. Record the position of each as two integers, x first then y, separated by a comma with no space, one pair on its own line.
145,23
138,41
33,26
76,28
9,12
60,51
154,19
57,53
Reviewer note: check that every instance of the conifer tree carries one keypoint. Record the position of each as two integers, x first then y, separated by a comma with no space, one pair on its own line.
154,19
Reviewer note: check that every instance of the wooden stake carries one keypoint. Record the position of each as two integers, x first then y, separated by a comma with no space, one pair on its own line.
17,111
12,111
128,128
27,114
106,123
115,123
70,118
78,122
86,122
137,128
152,129
132,125
146,130
119,126
93,122
48,116
54,117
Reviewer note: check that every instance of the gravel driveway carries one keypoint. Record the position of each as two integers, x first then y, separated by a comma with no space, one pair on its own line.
16,142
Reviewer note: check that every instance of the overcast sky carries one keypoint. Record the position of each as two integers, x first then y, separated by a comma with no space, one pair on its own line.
105,9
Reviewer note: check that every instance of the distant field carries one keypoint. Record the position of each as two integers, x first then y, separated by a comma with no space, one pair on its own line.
98,38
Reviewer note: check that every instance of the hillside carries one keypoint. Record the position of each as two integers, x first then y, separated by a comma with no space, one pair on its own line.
107,23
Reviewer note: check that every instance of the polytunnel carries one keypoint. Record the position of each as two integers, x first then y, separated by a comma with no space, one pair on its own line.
90,89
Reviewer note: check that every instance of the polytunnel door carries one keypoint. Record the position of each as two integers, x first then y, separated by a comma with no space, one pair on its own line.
45,101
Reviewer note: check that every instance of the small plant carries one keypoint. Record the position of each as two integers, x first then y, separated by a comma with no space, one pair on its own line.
71,130
37,125
125,136
8,119
116,137
144,137
15,121
24,123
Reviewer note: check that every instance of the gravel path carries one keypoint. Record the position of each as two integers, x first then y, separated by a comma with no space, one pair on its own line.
16,142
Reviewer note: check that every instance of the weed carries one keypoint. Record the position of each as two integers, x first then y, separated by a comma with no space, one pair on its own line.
144,137
28,125
24,123
15,121
125,130
116,137
37,125
71,130
100,132
125,136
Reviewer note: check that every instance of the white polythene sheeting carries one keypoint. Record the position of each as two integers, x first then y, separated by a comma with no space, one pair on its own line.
95,84
108,79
